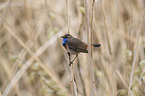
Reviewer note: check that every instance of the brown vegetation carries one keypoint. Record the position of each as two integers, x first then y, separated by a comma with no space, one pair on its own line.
34,63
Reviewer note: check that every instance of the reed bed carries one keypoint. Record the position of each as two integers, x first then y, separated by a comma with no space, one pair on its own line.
34,63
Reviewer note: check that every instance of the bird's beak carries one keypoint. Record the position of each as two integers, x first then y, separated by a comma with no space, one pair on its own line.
62,36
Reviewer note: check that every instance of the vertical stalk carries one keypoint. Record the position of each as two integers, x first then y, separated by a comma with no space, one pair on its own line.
67,12
73,84
81,78
89,49
106,28
92,24
5,12
134,58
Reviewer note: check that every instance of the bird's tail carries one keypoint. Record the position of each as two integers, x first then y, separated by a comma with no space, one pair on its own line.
96,45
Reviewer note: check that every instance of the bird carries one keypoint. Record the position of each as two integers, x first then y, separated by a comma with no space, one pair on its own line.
74,46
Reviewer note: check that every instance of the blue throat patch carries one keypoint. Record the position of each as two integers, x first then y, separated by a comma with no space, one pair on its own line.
64,41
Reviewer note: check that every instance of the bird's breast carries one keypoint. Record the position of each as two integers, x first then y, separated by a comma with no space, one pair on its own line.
65,46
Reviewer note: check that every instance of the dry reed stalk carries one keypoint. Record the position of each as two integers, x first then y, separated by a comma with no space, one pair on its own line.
121,77
109,75
89,47
67,12
91,33
92,13
119,35
5,12
9,74
28,13
72,80
81,77
5,39
23,52
106,30
135,52
130,38
3,5
22,55
73,84
24,68
130,22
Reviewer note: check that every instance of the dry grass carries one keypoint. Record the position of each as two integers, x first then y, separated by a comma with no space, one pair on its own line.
34,63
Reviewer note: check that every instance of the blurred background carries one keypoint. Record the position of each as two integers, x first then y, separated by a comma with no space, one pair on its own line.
34,63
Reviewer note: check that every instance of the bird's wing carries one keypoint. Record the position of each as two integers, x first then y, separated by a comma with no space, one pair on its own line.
77,45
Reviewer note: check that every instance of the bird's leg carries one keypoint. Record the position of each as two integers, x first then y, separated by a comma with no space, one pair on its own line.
73,60
69,57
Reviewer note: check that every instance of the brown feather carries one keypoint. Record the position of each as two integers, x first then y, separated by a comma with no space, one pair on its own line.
77,45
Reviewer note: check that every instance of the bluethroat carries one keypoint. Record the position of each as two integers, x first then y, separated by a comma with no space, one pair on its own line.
75,46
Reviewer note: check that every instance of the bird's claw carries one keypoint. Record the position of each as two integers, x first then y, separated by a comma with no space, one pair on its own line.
70,63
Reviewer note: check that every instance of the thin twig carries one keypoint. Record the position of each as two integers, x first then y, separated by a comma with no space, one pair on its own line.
92,23
73,84
106,29
67,12
135,51
9,72
89,49
70,63
125,36
81,77
29,62
77,90
130,24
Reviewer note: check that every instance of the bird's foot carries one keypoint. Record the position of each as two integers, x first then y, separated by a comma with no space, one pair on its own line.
70,63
